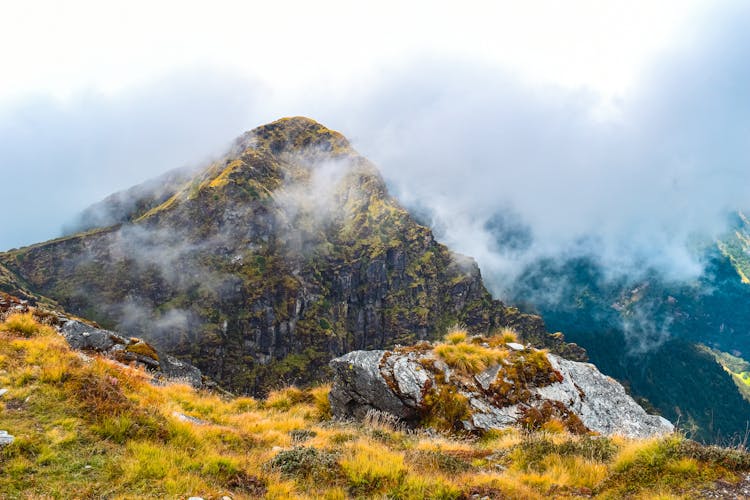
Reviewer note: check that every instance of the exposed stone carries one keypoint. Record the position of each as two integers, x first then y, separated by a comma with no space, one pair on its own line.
83,337
5,438
361,387
601,402
174,369
396,382
187,418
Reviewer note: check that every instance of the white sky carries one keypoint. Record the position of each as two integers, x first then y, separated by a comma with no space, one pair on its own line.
62,48
96,96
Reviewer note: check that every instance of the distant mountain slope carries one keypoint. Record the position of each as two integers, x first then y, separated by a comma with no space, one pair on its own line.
267,263
736,247
123,206
648,334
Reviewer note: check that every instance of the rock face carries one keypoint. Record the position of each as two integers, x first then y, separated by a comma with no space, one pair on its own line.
406,383
264,265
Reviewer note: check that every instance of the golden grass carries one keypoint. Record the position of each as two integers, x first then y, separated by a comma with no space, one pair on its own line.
503,336
24,324
469,358
95,428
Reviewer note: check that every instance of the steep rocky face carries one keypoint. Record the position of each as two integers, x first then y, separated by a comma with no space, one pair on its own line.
525,388
264,265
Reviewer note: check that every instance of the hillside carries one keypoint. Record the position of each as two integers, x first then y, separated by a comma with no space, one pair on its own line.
651,333
87,426
267,263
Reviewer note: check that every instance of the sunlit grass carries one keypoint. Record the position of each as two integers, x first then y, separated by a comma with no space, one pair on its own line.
91,427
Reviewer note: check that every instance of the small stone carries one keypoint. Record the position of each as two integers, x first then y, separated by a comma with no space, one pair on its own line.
515,346
188,418
5,438
87,467
3,392
195,498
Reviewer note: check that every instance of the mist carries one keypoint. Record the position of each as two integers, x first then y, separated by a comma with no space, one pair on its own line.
504,169
636,182
60,156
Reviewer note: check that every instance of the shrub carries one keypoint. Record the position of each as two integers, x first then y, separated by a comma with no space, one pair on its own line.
373,469
438,460
456,336
23,324
469,358
306,463
551,414
732,459
445,409
302,435
284,399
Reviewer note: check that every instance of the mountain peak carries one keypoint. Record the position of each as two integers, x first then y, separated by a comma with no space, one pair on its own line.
267,263
295,134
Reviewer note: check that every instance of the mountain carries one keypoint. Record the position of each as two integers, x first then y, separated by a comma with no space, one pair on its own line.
652,333
265,264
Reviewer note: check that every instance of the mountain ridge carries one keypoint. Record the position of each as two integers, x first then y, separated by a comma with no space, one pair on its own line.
274,258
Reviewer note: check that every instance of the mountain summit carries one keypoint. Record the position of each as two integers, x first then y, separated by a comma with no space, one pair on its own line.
265,264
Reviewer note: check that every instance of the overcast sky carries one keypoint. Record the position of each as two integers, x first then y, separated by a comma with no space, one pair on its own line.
621,120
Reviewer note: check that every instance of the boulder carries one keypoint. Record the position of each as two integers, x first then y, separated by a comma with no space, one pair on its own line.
83,337
528,387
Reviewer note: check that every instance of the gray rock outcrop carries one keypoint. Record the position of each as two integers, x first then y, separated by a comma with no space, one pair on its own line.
83,337
401,383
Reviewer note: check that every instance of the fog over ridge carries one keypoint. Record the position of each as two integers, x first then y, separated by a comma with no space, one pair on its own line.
475,150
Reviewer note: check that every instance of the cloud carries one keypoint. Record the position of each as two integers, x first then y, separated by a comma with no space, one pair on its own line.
58,157
635,182
505,170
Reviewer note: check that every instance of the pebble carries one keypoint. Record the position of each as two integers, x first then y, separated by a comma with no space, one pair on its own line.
188,418
3,391
5,438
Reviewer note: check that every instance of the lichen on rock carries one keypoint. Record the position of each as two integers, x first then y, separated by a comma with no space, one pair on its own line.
523,387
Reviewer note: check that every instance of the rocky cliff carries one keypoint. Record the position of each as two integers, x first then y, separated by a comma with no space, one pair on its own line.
262,266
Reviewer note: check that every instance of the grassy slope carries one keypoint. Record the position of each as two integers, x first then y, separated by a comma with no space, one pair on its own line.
736,247
735,366
87,427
